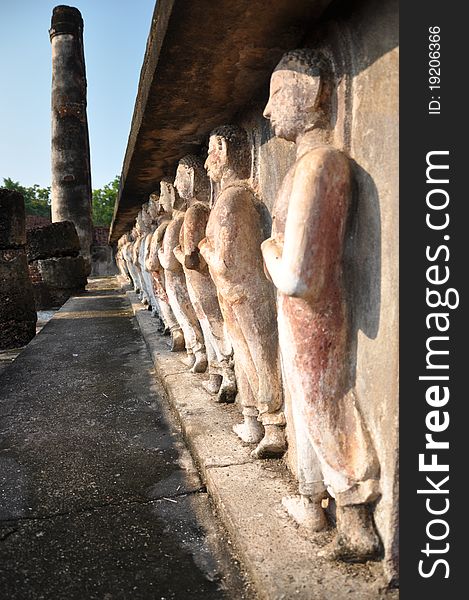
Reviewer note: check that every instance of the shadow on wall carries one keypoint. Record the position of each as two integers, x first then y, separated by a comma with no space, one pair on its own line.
362,257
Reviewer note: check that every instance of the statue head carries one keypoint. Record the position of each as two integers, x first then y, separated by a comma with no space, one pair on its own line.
299,94
139,223
154,206
228,150
191,179
167,195
146,217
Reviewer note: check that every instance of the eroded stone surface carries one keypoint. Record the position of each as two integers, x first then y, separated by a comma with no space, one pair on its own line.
54,240
70,151
12,219
17,311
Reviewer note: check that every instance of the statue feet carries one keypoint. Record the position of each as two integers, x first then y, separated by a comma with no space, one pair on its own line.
356,539
273,444
189,359
200,363
177,340
213,384
251,431
308,513
228,388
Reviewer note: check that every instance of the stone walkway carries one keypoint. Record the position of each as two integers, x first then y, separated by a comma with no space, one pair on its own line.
99,497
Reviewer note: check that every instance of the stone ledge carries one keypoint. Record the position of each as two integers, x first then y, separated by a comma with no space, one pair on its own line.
279,557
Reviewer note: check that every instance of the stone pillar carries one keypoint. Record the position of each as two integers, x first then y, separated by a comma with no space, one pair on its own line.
17,311
71,179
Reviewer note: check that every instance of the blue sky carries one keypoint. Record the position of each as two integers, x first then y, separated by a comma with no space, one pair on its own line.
115,36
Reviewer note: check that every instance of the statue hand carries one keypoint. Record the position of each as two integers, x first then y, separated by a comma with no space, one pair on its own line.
192,260
271,249
204,247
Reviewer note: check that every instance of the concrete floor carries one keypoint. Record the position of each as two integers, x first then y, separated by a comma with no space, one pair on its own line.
99,497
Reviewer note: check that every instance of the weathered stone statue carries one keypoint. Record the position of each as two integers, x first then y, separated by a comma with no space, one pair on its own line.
176,288
193,186
139,251
235,230
147,280
161,217
128,254
120,260
304,258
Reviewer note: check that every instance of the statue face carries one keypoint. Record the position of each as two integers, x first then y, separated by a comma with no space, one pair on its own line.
167,197
138,223
153,207
216,158
146,218
292,101
184,182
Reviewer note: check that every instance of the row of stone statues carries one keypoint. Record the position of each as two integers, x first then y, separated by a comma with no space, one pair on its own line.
261,302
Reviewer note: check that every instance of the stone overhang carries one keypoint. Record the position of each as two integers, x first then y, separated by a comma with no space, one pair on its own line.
204,61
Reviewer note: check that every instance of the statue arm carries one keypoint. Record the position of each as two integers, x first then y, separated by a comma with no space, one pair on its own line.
195,224
221,253
166,252
160,231
179,254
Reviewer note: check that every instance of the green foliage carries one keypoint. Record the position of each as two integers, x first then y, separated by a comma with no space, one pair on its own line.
36,198
103,203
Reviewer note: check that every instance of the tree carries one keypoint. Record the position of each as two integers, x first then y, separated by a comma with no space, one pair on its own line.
36,198
103,203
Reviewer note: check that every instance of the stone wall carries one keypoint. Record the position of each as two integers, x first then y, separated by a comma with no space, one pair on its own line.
55,268
17,312
34,221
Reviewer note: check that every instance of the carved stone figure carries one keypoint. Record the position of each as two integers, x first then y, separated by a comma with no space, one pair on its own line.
136,241
120,260
128,254
235,230
147,224
193,186
304,258
139,257
161,217
175,279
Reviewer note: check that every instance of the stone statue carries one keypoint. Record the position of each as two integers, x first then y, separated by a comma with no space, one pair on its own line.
193,186
304,258
136,249
175,279
120,260
128,255
161,217
235,230
147,280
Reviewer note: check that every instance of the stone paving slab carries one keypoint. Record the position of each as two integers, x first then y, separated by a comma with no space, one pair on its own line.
99,497
280,558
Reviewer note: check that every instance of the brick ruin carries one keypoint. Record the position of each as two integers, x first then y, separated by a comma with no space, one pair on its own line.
17,311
